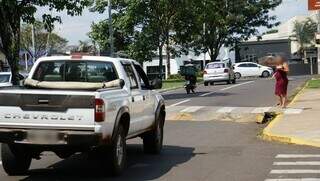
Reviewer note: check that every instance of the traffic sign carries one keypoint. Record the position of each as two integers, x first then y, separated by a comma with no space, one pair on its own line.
314,5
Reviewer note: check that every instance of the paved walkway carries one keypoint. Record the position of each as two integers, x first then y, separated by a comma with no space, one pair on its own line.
302,128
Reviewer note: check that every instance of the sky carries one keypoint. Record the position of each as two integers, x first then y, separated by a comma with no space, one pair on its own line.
76,28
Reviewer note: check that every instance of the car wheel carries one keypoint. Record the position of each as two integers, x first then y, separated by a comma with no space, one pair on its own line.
206,83
237,75
265,74
118,152
211,83
15,160
153,140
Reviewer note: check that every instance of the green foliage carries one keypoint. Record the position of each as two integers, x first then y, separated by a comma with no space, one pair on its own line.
270,32
304,33
13,11
43,40
228,22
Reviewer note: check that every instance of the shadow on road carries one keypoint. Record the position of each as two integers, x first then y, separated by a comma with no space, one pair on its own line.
140,166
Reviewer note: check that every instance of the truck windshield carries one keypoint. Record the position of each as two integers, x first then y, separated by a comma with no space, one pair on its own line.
4,78
75,71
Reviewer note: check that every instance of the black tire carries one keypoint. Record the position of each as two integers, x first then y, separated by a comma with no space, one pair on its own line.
118,152
188,90
153,140
211,83
15,159
265,74
237,75
206,83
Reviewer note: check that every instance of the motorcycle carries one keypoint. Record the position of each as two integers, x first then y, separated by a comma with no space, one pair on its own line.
190,86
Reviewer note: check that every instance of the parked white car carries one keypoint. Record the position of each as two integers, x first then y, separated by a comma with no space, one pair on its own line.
245,69
6,77
218,72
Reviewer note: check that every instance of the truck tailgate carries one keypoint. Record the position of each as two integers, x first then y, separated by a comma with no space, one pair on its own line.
47,109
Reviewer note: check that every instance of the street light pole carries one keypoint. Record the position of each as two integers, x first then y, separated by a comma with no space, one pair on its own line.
110,29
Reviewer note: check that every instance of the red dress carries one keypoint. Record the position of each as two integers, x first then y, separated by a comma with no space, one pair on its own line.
281,82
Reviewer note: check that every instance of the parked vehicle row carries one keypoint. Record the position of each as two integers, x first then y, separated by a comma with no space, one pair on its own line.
223,72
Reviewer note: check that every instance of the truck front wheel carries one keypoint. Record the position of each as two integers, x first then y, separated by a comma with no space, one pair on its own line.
15,160
153,140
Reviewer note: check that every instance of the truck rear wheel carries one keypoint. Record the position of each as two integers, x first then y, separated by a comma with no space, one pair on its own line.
118,152
153,140
15,160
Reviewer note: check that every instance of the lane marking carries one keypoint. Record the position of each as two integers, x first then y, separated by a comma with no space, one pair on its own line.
226,110
293,171
294,179
297,156
297,163
227,88
178,103
192,109
261,110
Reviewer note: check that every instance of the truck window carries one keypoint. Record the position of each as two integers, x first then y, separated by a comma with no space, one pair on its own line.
132,77
143,77
76,71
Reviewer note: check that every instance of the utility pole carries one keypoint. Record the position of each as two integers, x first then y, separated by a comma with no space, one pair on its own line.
110,29
33,44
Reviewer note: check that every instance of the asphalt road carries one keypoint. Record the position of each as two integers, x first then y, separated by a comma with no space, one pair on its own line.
196,151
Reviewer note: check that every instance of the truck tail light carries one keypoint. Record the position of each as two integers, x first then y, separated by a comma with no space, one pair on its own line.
226,70
99,110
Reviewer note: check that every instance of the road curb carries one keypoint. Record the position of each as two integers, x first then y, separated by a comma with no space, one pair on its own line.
268,135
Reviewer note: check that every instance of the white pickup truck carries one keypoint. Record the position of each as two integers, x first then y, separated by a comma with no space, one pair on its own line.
77,103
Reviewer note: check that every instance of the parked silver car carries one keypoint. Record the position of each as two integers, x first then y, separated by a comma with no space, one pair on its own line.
218,72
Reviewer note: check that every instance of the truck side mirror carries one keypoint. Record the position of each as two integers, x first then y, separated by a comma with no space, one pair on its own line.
122,83
156,84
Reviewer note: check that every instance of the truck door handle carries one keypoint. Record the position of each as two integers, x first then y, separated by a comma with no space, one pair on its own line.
132,99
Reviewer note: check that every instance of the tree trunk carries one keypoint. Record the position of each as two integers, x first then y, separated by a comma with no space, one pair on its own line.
168,55
10,39
160,61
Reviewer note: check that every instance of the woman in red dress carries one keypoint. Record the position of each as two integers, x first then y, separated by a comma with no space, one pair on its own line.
280,75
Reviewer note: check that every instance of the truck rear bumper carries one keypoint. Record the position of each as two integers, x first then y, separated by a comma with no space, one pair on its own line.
49,137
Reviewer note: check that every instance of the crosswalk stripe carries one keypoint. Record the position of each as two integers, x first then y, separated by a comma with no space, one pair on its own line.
300,171
296,163
192,109
292,111
226,110
294,179
261,110
297,156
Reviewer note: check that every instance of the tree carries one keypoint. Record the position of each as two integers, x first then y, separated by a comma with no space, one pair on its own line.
12,12
45,42
304,33
228,22
149,26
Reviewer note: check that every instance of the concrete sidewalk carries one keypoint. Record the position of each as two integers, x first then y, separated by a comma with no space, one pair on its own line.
301,127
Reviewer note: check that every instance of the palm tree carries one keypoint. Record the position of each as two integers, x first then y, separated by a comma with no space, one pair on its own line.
304,32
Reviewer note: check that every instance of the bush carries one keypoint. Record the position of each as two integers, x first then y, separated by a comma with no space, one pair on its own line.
176,77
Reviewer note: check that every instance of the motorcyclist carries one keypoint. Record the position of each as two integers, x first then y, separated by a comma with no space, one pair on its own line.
191,75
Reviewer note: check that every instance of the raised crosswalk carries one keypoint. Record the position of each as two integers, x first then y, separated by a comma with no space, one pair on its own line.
226,109
295,167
